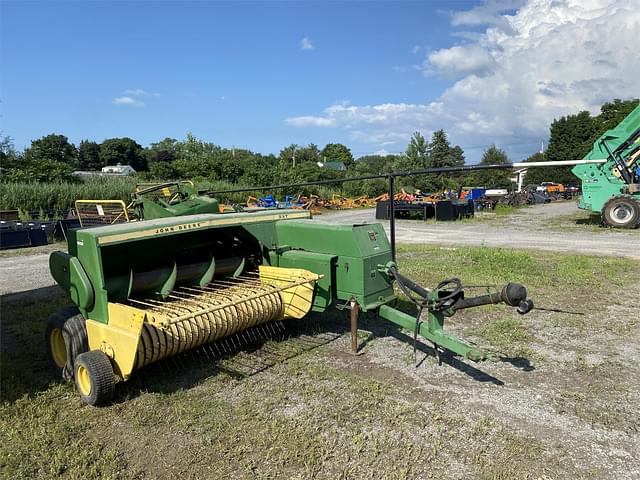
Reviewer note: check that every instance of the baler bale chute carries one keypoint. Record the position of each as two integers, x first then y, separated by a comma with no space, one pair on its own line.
148,290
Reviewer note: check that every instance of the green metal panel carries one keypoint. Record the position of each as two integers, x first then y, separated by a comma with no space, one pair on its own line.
195,205
360,249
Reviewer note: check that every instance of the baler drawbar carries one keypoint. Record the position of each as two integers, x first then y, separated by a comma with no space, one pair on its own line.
148,290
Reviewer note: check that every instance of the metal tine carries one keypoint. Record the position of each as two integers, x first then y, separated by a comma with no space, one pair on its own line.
159,307
217,347
209,347
177,296
247,336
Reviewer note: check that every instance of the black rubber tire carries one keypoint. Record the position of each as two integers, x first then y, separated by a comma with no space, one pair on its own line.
71,324
97,367
621,203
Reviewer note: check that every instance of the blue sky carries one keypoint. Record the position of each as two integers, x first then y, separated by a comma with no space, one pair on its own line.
265,75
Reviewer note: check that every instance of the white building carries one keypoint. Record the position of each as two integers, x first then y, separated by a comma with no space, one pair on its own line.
118,170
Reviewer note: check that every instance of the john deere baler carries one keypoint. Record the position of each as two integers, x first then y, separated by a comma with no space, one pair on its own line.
148,290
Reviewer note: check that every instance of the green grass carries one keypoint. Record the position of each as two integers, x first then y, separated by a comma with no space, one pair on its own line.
323,414
493,266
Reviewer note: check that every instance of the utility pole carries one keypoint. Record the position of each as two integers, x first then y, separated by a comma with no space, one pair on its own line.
294,157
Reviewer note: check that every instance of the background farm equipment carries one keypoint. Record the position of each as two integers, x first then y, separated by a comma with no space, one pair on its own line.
144,291
612,188
15,234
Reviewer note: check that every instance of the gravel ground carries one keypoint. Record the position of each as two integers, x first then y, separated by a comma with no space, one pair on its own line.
24,272
541,227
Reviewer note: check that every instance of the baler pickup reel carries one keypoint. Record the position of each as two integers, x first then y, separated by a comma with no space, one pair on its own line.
433,306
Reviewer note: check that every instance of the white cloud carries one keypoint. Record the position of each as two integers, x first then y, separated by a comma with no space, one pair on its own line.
547,59
306,44
128,101
311,121
138,92
490,13
464,59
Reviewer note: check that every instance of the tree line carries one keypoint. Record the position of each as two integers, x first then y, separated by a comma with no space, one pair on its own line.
53,158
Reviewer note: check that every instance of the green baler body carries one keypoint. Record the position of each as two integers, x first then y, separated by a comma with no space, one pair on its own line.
102,262
194,205
599,183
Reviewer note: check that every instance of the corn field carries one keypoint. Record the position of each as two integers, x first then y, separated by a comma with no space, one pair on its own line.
52,198
61,196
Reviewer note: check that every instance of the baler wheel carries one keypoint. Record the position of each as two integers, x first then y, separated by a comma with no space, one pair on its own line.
94,377
622,211
65,339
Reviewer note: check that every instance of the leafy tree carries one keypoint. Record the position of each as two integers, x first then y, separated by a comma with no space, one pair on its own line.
89,156
612,113
337,152
493,178
258,170
123,151
417,151
310,153
54,148
9,157
571,137
43,171
374,164
163,151
163,171
442,154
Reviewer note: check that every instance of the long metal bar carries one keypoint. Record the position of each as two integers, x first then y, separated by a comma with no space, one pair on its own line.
462,168
355,314
560,163
423,171
392,216
437,336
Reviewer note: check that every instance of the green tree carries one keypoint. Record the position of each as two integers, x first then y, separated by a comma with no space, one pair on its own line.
164,171
493,178
336,152
89,156
571,137
165,150
9,158
310,153
123,151
375,164
612,113
442,154
54,148
417,151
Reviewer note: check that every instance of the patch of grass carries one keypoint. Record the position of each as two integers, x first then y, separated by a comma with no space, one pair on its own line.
539,271
599,394
508,335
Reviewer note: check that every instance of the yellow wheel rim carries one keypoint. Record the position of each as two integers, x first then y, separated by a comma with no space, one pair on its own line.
58,348
83,380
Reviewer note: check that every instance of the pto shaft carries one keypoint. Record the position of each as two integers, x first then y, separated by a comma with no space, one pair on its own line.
513,294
